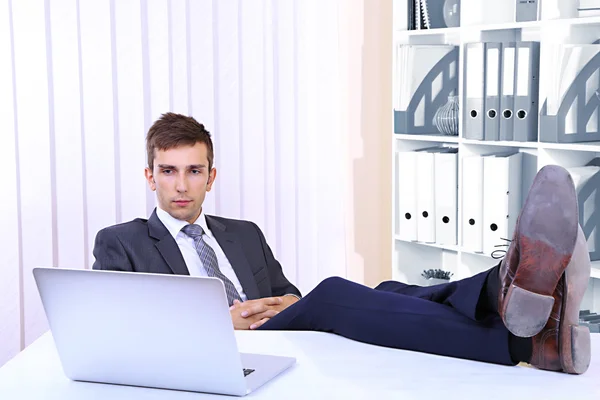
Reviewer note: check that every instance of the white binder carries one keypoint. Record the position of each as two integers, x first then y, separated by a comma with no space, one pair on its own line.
526,91
507,101
425,174
446,193
501,199
472,204
407,195
473,116
492,90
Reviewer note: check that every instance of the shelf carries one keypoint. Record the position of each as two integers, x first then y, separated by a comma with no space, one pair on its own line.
595,272
433,245
426,138
473,253
575,21
501,26
583,146
531,145
505,26
428,32
482,28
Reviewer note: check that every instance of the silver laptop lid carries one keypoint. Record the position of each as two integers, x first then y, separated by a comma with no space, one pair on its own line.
162,331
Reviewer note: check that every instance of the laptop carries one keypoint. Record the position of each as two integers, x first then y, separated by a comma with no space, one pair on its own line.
150,330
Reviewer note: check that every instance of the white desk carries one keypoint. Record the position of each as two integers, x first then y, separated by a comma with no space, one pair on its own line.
328,367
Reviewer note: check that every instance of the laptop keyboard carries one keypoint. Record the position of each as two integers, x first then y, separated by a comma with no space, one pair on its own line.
248,371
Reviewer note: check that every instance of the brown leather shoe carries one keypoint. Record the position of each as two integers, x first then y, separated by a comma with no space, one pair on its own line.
563,345
540,250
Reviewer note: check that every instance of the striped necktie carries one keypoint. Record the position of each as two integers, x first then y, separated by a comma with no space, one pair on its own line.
209,260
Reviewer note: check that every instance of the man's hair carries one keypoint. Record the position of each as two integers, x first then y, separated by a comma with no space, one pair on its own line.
173,130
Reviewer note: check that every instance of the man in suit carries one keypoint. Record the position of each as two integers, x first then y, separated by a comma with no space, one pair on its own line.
179,238
525,309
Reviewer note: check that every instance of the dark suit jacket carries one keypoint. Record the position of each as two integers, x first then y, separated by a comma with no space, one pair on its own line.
147,246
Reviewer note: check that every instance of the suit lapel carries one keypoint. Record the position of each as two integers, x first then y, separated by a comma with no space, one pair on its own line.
166,245
232,248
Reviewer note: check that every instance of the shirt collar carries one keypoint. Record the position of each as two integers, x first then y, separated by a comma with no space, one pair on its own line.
175,225
202,222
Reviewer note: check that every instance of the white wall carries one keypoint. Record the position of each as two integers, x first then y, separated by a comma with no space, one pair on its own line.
82,80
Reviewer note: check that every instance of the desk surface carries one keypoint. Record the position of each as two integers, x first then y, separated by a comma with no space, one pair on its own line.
327,366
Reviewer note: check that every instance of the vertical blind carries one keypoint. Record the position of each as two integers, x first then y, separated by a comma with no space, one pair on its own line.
81,81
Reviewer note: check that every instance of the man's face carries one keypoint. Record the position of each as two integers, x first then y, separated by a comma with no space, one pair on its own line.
181,179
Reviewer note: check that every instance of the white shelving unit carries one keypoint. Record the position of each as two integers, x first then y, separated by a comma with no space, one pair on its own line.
411,258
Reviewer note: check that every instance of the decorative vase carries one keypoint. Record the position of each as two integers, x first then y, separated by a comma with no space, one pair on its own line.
446,117
451,13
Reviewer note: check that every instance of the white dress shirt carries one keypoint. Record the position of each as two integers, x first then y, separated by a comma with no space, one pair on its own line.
188,250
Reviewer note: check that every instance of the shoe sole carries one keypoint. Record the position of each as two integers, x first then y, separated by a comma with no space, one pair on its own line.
574,340
551,203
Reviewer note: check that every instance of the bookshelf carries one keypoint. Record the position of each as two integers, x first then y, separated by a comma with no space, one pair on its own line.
410,258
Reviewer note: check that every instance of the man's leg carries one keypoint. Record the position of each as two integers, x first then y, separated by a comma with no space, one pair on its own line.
395,320
474,297
540,284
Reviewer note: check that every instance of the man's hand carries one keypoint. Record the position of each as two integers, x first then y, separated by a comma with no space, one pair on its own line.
286,301
251,314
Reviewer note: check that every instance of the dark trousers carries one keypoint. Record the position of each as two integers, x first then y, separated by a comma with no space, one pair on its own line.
452,319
